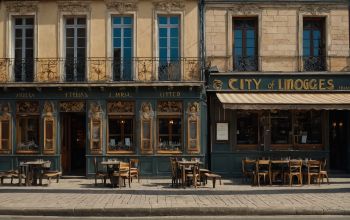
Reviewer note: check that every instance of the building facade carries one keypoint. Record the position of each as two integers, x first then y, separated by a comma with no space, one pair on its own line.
100,79
279,82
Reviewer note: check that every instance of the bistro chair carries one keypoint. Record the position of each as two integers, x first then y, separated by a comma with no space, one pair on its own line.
323,171
99,174
49,174
248,170
294,169
313,170
134,169
124,172
263,169
194,175
175,172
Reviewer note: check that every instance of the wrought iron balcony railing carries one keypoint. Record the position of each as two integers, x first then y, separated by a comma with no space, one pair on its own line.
245,63
99,69
314,63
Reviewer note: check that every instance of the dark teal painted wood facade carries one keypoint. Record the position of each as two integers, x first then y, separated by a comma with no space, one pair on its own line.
225,157
150,164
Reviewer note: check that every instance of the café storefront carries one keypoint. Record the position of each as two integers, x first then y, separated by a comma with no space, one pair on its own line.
70,126
278,115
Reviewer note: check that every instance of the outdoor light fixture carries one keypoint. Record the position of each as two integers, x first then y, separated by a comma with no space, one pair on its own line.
171,122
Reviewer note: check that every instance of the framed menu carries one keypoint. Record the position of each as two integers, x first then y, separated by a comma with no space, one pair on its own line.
222,133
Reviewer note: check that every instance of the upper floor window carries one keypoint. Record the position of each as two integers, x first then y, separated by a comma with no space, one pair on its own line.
313,44
24,52
245,44
75,42
169,68
122,47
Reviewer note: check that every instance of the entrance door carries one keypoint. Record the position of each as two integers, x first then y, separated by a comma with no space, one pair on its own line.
73,143
338,129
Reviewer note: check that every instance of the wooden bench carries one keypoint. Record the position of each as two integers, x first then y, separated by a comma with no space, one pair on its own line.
213,177
51,174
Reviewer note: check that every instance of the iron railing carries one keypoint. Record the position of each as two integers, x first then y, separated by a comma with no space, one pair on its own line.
314,63
245,63
99,69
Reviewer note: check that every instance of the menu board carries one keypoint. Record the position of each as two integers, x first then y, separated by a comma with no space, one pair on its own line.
222,131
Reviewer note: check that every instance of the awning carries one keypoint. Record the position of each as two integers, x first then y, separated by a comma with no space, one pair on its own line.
257,101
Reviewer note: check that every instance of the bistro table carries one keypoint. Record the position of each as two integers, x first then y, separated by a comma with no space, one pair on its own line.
32,170
282,165
183,164
112,165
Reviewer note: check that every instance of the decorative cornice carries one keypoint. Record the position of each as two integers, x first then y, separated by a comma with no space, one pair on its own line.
314,9
245,10
122,6
169,6
74,7
22,7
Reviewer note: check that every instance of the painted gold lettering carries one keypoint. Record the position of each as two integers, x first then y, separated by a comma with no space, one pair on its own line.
321,84
330,84
298,84
257,83
313,84
248,82
231,84
241,86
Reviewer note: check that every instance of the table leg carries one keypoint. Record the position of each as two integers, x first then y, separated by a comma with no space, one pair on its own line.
183,176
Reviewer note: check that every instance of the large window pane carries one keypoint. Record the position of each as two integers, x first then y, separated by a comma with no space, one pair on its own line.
28,133
247,128
281,127
170,135
121,134
308,127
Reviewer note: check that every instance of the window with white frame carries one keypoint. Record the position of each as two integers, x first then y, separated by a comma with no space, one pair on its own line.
122,36
75,49
169,68
24,49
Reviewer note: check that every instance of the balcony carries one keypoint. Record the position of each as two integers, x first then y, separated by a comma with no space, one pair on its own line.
99,70
246,63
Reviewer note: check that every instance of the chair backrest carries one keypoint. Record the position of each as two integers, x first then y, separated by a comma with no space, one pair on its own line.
314,165
47,164
295,166
248,165
263,165
173,166
195,169
124,166
134,163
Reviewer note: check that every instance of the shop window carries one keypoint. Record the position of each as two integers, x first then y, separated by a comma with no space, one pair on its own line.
247,130
122,35
245,44
313,44
121,127
281,130
27,127
24,49
308,130
169,68
28,134
170,127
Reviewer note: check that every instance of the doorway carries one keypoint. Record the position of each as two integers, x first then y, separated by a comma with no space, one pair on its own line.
73,150
338,130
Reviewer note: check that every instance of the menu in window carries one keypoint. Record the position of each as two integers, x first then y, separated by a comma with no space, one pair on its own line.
222,131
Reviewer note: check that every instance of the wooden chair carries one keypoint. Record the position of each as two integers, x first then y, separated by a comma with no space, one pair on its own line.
263,169
194,175
124,172
248,170
294,169
175,172
134,169
99,174
323,171
313,170
49,174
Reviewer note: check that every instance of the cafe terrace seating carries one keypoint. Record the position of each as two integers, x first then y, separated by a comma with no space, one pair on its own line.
288,170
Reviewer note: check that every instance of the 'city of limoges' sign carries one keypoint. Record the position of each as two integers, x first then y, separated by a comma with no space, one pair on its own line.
279,83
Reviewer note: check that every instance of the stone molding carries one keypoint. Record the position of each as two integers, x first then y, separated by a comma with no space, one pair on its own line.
314,9
245,10
22,7
74,7
122,6
169,6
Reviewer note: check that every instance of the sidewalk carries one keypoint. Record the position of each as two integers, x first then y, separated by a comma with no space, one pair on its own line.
79,197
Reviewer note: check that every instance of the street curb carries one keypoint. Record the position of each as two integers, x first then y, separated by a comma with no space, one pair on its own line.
170,211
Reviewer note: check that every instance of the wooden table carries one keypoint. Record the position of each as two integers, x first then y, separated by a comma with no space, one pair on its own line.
183,165
280,163
30,173
115,164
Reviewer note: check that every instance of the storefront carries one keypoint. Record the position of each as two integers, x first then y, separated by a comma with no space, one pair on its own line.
278,115
71,126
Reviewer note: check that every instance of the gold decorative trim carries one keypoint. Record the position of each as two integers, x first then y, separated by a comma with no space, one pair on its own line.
122,6
22,7
27,107
5,111
5,117
95,124
193,139
217,84
3,70
48,70
245,9
169,6
48,108
121,107
74,7
72,106
146,116
169,107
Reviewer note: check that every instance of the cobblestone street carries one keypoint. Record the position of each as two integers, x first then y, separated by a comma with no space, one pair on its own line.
156,197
